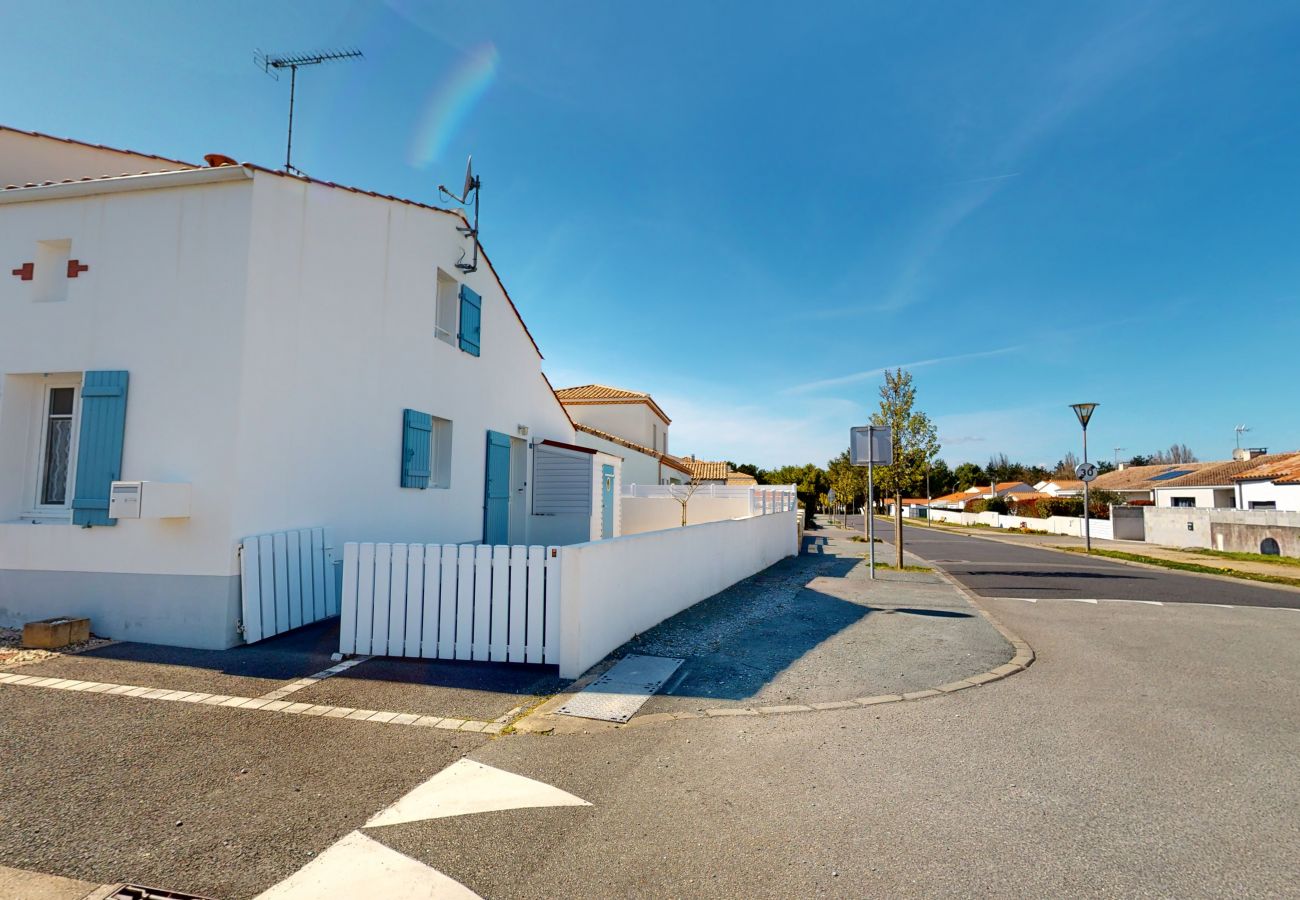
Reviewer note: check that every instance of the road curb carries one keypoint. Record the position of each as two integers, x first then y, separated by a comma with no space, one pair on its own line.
542,720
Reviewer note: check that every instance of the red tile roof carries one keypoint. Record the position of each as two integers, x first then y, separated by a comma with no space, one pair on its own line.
601,394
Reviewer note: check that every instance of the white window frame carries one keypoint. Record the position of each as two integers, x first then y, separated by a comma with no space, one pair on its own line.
446,309
440,453
36,459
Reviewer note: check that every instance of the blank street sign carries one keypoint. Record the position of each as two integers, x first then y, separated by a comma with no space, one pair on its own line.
872,444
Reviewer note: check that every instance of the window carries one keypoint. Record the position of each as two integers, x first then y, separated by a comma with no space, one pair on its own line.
56,463
440,465
448,302
1185,502
426,451
1263,504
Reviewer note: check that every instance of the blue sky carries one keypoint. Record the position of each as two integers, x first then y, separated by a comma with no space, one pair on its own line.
750,209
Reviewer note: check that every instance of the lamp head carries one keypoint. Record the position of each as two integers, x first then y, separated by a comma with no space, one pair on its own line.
1083,411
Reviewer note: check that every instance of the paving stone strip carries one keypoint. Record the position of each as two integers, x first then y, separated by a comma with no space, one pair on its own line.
306,682
257,703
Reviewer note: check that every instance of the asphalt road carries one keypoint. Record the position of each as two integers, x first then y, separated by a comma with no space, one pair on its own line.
1149,752
997,568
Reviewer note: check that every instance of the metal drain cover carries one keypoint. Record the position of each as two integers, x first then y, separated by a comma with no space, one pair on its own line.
616,695
140,892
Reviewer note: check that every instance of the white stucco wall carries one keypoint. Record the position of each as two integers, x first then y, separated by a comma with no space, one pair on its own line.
340,339
1205,497
1286,496
634,422
163,299
638,467
615,589
641,514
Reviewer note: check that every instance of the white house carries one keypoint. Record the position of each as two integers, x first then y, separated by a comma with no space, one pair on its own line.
626,423
268,352
1272,486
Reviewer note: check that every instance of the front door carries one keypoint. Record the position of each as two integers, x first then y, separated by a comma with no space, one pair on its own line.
496,490
606,502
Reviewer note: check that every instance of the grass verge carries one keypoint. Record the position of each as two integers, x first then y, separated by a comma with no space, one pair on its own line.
885,565
1190,567
1248,557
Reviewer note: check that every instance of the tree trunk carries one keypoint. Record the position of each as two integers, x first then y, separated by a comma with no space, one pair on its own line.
898,530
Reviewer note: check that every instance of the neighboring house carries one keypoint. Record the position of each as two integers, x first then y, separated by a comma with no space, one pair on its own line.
1212,485
641,464
959,499
631,415
1137,484
1274,485
618,420
266,352
704,472
1059,487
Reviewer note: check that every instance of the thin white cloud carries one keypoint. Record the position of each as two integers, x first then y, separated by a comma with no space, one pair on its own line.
855,377
981,180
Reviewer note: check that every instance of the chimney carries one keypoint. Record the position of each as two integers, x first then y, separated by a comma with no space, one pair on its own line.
1248,453
1122,467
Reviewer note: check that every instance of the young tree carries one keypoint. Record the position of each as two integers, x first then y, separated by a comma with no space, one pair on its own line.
683,493
915,445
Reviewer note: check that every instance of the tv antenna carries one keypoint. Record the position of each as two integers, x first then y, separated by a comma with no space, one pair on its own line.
1117,452
1240,429
272,65
472,183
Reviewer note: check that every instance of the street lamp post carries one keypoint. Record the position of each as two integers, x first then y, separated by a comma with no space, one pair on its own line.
1084,412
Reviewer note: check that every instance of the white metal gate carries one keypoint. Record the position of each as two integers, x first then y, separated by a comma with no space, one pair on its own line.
451,601
287,581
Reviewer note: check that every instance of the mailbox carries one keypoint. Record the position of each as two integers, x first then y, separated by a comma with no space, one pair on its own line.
148,500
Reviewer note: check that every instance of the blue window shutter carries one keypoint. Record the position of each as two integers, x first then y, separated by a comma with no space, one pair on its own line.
417,430
471,319
99,450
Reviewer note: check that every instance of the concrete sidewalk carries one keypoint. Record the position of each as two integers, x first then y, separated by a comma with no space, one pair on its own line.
813,630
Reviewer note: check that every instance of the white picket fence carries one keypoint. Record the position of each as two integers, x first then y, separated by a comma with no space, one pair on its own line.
286,581
448,601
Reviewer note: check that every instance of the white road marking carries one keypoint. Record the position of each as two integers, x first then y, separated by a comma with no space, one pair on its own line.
1126,600
226,701
359,866
466,787
1079,600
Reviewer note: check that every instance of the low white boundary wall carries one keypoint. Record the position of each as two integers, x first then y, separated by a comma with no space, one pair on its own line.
568,605
642,514
616,589
1073,525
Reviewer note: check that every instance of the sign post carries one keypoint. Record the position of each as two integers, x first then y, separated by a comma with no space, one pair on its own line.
1085,470
870,446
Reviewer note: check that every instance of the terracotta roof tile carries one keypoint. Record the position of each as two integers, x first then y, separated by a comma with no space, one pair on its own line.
1139,478
708,471
600,394
1282,468
1221,474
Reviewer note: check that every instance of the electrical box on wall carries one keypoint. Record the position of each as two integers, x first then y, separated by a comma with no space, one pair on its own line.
148,500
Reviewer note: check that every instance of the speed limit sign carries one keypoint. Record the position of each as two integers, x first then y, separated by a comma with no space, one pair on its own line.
1086,471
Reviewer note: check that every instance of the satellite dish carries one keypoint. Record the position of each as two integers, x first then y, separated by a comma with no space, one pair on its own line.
469,177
